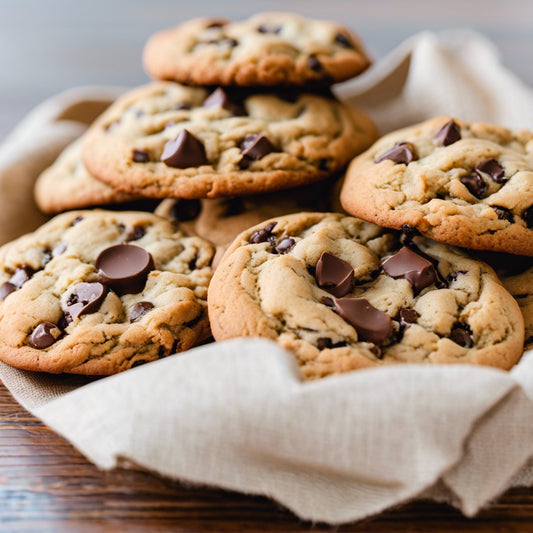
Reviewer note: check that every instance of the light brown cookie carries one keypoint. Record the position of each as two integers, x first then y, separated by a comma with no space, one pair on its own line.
267,49
463,183
167,140
343,294
68,185
98,292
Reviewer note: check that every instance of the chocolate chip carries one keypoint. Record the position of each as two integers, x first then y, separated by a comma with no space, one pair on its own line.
136,233
493,169
76,220
141,156
411,266
448,134
371,324
269,28
461,335
254,147
86,298
59,249
527,216
315,65
323,342
184,210
402,152
44,335
22,274
334,275
503,213
139,310
220,98
124,268
341,39
285,245
6,289
184,151
263,234
408,234
408,316
475,184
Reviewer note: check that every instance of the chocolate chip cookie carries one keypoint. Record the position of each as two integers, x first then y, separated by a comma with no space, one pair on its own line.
98,292
463,183
267,49
345,294
167,140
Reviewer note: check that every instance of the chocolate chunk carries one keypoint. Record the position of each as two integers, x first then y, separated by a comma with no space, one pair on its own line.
408,234
136,233
408,316
503,213
220,98
269,28
124,268
315,65
6,289
493,169
285,245
141,156
402,152
334,275
263,234
139,310
475,184
527,216
372,325
22,274
413,267
254,147
86,298
59,249
341,39
461,335
184,151
448,134
323,342
44,335
184,210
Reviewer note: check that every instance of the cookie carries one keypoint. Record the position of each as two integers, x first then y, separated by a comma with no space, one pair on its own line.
267,49
68,185
464,183
167,140
344,294
97,292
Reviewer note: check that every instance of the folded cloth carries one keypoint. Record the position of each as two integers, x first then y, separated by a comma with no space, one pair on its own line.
236,415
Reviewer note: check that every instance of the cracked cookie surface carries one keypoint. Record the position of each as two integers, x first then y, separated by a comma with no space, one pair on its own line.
267,49
375,302
98,292
166,140
464,183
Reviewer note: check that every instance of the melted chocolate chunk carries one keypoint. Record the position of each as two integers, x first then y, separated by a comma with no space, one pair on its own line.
184,210
184,151
315,65
86,298
371,324
269,28
493,169
334,275
263,234
6,289
461,335
448,134
139,310
285,245
411,266
220,98
402,152
503,213
22,274
140,156
124,268
408,316
44,335
136,233
527,216
254,147
343,40
475,184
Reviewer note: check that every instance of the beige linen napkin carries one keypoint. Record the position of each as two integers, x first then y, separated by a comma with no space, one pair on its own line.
236,414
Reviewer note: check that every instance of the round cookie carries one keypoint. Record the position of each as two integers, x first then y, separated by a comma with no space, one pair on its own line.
344,294
463,183
97,292
267,49
68,185
167,140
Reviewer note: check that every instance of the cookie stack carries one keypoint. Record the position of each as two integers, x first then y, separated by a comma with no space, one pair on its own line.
241,115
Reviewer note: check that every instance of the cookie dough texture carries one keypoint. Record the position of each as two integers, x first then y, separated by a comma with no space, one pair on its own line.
68,185
267,49
432,192
313,137
257,292
62,254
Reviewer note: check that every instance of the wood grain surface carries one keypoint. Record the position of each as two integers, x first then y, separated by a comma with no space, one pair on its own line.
47,486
